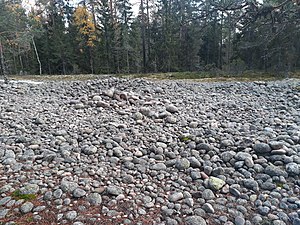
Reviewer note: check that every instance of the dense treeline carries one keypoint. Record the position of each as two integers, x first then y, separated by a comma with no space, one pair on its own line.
104,36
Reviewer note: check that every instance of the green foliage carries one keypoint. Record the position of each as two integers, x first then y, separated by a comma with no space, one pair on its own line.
279,185
266,221
185,138
207,38
29,219
17,195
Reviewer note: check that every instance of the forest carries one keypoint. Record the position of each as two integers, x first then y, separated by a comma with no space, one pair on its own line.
106,37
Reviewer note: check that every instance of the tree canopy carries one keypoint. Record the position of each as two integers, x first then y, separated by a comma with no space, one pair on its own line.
104,36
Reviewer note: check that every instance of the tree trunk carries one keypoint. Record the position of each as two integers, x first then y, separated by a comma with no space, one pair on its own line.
3,64
220,54
91,60
37,56
143,36
148,31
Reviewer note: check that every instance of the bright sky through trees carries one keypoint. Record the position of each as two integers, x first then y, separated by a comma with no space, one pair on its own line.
135,4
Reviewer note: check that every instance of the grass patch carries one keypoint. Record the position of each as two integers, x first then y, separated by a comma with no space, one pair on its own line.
201,76
185,138
29,219
17,196
266,222
170,75
219,76
279,185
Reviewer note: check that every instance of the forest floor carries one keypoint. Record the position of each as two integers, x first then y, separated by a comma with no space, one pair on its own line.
194,76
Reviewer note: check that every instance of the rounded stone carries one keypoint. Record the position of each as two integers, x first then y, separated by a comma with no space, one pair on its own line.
216,183
263,210
262,148
182,164
89,150
194,220
29,189
94,199
175,197
251,184
26,207
275,171
208,208
3,212
57,193
114,190
78,193
292,169
159,166
171,108
239,220
208,194
71,215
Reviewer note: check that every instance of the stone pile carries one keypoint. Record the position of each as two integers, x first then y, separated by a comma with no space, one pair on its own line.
123,151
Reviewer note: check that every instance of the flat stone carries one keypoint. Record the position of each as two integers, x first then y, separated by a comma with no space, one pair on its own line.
204,146
275,145
216,183
262,148
159,166
26,207
278,152
240,156
114,190
5,188
251,184
175,197
4,200
194,220
9,161
39,208
268,185
275,171
102,104
3,213
79,106
171,119
171,108
78,223
235,192
279,222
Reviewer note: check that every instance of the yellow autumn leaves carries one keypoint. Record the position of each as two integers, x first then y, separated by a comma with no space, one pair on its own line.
83,20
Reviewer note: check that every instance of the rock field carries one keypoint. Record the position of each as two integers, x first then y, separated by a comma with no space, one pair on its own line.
134,151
